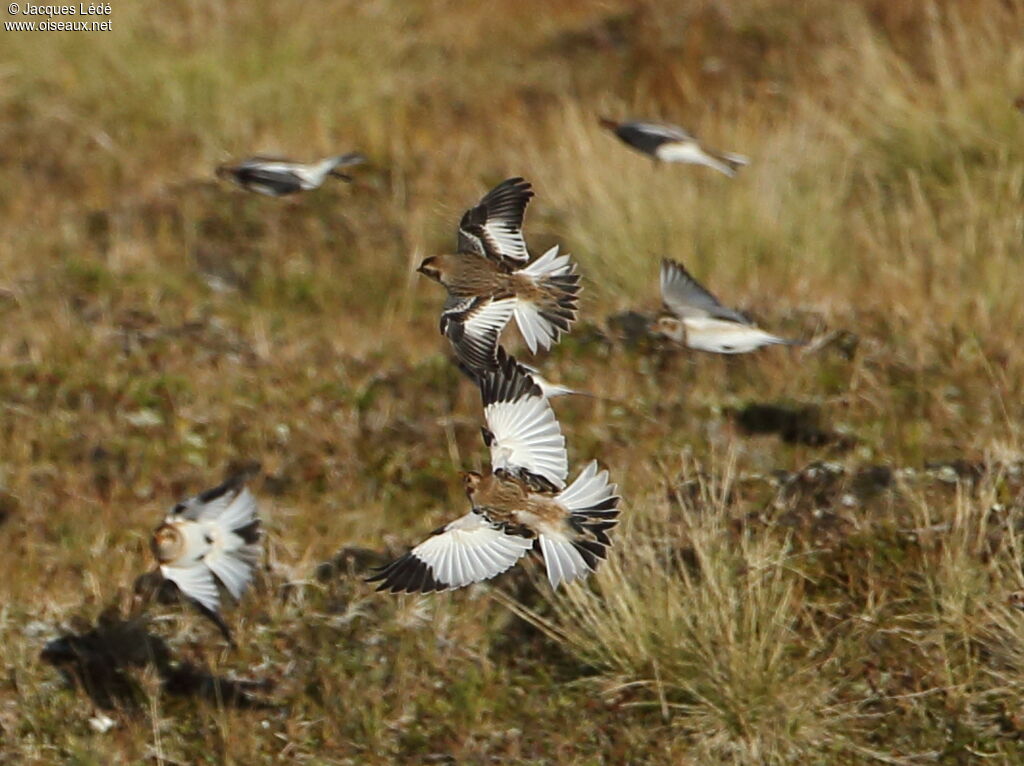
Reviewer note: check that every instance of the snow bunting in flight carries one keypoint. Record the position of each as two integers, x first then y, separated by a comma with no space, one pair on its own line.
210,538
670,143
491,279
695,318
278,178
522,501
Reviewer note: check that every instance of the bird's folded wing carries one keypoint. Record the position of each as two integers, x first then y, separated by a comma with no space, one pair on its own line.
685,297
468,550
494,227
280,175
658,130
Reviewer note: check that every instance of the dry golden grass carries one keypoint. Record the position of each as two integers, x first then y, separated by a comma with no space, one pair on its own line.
840,599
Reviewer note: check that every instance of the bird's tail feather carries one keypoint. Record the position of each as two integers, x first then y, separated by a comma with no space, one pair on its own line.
578,549
726,162
542,320
330,165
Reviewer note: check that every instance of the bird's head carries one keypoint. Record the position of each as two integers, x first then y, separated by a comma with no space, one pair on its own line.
432,268
168,543
669,327
470,481
225,171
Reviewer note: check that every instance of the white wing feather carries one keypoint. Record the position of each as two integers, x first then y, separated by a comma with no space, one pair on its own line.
468,550
527,435
196,582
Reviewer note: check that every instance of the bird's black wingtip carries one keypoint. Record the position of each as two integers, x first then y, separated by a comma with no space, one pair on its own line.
508,382
406,574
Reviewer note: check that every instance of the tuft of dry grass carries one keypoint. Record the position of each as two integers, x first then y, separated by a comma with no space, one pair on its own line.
699,621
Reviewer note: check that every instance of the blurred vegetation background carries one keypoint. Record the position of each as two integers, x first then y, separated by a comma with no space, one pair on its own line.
840,591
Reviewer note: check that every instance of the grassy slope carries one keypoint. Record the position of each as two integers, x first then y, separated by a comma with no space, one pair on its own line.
822,618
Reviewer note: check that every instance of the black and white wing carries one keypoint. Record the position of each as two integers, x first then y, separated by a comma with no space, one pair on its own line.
468,550
522,432
473,326
269,176
648,136
210,503
687,299
494,227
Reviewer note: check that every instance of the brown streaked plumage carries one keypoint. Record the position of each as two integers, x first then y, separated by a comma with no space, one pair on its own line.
467,277
476,277
491,279
543,298
512,501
